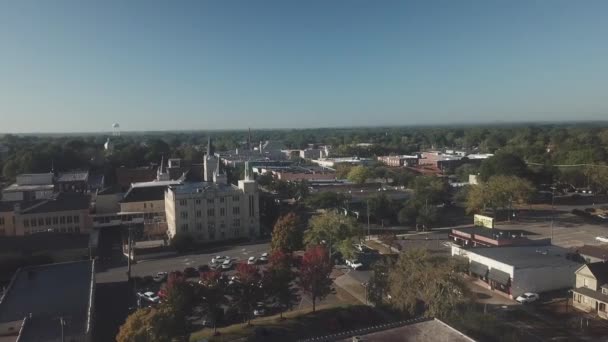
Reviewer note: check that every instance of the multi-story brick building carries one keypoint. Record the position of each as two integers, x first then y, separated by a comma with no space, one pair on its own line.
62,213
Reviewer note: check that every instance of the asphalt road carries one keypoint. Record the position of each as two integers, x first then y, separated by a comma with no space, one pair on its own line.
179,263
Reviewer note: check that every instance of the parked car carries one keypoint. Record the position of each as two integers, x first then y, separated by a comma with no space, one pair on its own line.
602,238
218,259
528,297
190,272
264,257
227,264
259,310
160,277
203,268
252,261
603,216
149,296
354,264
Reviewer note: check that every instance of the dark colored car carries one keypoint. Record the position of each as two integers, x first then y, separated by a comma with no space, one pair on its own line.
203,268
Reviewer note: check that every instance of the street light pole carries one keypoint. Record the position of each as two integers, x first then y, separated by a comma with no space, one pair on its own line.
368,227
552,210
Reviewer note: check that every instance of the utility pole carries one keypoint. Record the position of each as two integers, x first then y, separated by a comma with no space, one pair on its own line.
368,227
62,323
552,210
129,251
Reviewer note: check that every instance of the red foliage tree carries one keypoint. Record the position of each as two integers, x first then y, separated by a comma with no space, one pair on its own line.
247,289
314,273
212,294
278,280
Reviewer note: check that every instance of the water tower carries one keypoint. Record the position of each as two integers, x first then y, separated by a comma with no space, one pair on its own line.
116,129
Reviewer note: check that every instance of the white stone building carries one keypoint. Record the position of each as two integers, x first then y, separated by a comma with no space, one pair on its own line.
214,211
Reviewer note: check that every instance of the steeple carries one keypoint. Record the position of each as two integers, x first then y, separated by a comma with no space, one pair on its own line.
210,150
247,172
249,147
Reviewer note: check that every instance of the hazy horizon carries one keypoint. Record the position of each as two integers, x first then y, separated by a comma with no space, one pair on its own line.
77,67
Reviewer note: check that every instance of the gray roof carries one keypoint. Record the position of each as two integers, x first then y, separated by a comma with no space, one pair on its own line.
598,295
73,176
202,187
48,292
430,330
527,256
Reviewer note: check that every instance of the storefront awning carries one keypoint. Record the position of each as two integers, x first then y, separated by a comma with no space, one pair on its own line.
499,276
478,268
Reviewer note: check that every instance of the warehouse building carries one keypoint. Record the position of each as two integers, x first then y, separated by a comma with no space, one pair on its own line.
516,270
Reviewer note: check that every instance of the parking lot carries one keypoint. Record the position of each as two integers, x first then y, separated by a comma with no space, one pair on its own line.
179,263
568,229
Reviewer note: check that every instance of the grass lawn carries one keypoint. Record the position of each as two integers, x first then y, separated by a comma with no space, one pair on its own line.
298,324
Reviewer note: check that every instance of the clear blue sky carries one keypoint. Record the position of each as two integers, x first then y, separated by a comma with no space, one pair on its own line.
82,65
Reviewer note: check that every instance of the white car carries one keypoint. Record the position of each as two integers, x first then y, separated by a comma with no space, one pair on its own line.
264,257
227,264
149,296
260,310
252,261
528,297
218,259
602,238
354,264
160,277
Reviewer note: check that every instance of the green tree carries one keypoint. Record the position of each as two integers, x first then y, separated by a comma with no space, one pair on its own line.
378,285
430,190
463,171
148,325
286,235
420,283
381,208
326,200
337,232
499,192
359,174
342,170
503,163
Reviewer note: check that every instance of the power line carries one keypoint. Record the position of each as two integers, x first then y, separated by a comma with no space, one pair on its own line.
567,165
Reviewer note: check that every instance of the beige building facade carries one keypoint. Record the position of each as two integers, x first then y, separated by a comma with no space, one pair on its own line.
213,211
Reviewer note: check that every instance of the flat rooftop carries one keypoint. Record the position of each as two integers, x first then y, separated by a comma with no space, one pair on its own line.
425,331
201,187
495,233
48,292
73,176
37,187
526,256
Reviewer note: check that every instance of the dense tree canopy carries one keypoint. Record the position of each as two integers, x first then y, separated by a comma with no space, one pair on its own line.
337,232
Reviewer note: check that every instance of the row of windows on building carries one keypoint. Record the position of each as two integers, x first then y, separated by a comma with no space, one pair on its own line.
47,221
184,202
210,226
54,230
211,212
212,232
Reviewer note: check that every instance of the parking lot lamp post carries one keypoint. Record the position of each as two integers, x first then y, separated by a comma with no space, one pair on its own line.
552,210
368,227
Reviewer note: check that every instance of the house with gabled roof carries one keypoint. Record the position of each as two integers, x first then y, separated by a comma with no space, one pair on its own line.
591,291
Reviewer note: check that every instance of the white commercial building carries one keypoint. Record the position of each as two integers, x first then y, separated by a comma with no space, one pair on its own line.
214,211
516,270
